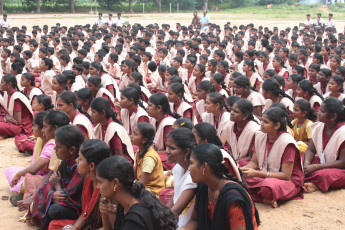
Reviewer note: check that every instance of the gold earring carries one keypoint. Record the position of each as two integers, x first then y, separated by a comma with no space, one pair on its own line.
203,172
115,188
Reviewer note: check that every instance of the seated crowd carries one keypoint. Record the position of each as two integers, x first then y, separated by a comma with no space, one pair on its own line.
139,127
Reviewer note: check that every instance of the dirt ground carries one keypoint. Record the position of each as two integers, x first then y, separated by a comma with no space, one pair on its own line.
315,211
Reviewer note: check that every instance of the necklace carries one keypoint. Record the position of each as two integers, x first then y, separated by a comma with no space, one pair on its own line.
215,194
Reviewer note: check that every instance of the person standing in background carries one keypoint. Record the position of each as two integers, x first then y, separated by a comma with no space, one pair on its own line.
4,23
308,23
196,19
330,22
100,20
119,21
204,21
110,20
319,21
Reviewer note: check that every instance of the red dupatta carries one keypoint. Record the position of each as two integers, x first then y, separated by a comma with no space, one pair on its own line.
89,198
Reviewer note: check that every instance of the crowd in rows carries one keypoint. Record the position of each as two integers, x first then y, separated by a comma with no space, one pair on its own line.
149,127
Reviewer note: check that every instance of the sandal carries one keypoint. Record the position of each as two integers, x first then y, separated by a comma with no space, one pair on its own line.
15,198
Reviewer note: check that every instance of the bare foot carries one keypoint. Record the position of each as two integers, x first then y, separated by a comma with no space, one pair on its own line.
24,204
310,187
273,203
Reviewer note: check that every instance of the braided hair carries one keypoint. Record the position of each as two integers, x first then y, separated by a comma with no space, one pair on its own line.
101,104
132,93
70,98
147,131
159,99
246,107
219,78
307,85
273,86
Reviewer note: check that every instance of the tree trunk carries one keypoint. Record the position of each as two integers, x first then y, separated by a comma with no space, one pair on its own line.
1,7
38,7
205,4
159,6
71,6
131,6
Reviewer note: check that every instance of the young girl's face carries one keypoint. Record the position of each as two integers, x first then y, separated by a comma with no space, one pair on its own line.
167,76
63,106
48,130
321,77
289,83
174,152
292,62
188,64
92,87
263,58
239,90
275,63
245,68
96,116
333,86
221,69
334,63
196,71
125,102
300,92
231,81
137,138
312,73
202,94
24,82
236,114
55,85
36,106
215,83
37,131
210,67
298,113
195,170
267,126
126,69
172,96
152,109
83,103
61,150
93,70
83,165
210,106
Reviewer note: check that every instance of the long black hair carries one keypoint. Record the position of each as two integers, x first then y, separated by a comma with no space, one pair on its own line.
334,106
273,86
95,151
246,107
183,138
120,168
178,88
217,98
132,93
30,77
70,98
38,119
85,94
219,78
57,118
10,78
307,85
147,131
277,115
212,155
45,101
208,132
70,136
101,104
159,99
305,106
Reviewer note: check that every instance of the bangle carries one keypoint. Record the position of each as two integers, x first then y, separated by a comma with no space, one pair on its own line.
316,167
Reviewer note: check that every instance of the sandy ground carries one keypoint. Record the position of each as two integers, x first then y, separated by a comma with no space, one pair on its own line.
315,211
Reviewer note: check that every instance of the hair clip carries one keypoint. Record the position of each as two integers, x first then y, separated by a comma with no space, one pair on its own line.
182,124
